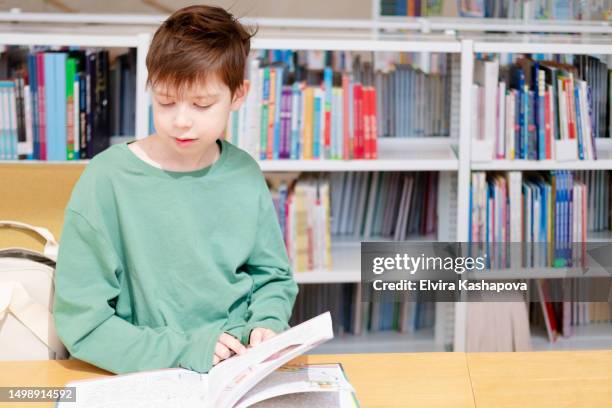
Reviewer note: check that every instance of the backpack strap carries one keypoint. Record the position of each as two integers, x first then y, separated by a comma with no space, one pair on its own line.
51,245
15,299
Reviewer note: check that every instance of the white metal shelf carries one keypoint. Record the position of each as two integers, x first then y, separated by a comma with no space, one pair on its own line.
394,154
421,340
545,45
526,165
358,165
588,337
603,162
346,260
424,45
378,22
492,24
80,40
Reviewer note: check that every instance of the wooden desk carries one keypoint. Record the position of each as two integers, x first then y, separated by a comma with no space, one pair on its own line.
381,380
534,379
542,379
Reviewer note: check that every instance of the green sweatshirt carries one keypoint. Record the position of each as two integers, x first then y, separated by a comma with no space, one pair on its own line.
154,265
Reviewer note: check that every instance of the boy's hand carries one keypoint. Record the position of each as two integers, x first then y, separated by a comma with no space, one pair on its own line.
260,334
227,346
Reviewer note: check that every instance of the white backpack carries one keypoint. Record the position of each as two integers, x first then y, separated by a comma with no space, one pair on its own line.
27,331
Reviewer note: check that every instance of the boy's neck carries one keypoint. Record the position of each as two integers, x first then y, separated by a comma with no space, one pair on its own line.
153,151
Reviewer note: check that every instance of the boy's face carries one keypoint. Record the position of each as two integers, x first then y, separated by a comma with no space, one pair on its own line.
190,122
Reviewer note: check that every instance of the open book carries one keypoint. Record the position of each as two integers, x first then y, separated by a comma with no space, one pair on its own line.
254,378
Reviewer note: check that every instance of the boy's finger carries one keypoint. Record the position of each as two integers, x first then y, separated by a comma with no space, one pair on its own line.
216,359
256,337
232,343
222,351
268,334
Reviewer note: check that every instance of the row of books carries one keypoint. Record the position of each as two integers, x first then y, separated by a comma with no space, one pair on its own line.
64,105
303,210
544,211
391,205
540,109
413,103
337,105
598,201
535,9
291,116
350,315
560,319
314,208
411,8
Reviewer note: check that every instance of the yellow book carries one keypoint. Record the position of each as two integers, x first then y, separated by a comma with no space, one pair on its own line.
308,129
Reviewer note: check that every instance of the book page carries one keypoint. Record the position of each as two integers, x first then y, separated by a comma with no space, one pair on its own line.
291,379
166,388
341,399
232,378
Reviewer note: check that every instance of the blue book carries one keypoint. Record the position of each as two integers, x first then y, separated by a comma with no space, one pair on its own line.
540,121
13,137
563,218
5,128
51,134
570,224
264,114
316,123
34,97
61,152
557,224
277,110
524,101
532,137
296,142
580,136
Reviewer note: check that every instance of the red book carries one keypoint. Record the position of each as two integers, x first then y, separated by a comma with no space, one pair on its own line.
42,123
358,147
366,123
571,118
373,124
547,125
327,131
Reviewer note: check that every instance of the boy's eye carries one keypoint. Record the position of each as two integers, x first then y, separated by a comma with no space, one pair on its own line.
166,104
201,106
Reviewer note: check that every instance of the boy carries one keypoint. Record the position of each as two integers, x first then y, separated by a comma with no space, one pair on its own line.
171,253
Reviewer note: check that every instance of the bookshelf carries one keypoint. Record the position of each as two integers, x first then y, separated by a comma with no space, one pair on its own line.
591,335
138,41
449,156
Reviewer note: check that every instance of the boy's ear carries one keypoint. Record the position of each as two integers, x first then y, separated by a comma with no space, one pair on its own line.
240,95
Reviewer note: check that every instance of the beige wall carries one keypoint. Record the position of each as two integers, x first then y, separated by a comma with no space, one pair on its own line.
357,9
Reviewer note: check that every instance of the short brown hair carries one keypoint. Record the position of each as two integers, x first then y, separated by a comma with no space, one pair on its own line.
197,41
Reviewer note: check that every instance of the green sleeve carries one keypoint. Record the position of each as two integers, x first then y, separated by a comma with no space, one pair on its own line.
274,289
86,288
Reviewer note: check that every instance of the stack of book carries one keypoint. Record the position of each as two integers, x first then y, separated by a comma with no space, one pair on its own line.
545,212
535,9
303,210
389,205
563,319
387,312
540,109
64,105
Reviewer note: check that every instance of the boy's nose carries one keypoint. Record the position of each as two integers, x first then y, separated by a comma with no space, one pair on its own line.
182,120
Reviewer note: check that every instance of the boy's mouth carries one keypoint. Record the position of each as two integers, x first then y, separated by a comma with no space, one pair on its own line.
184,142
